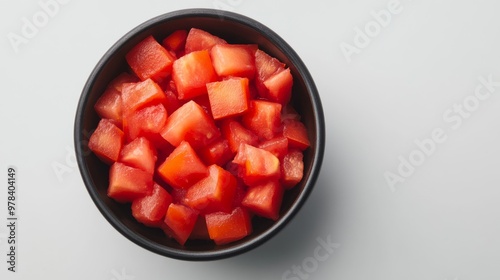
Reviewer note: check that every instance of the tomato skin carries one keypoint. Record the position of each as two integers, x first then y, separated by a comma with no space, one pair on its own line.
263,118
198,40
278,146
213,193
234,60
224,228
228,98
296,132
150,210
191,73
182,168
236,134
136,96
139,154
192,124
106,141
292,168
127,183
179,222
148,59
145,122
259,165
265,199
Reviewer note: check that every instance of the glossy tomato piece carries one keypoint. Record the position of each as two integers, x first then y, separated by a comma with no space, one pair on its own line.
198,40
106,141
266,67
191,73
265,199
224,228
149,60
175,41
292,168
296,132
136,96
259,165
192,124
179,222
127,183
145,122
182,168
263,118
139,154
213,193
228,98
217,152
278,146
109,105
150,209
279,87
236,134
121,79
234,60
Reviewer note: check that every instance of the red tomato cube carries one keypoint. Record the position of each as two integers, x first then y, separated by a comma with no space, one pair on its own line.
266,67
145,122
217,152
278,146
296,132
236,135
224,228
213,193
150,209
234,60
179,222
149,59
127,183
191,73
198,40
292,168
109,105
182,168
176,40
106,141
121,79
259,165
228,98
263,118
139,154
136,96
192,124
265,199
279,87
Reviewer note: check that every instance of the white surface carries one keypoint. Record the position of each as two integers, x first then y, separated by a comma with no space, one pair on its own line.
442,223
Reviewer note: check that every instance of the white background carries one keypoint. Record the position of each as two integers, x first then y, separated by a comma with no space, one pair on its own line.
442,222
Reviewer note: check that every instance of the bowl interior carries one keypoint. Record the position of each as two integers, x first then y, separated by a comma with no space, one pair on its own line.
234,29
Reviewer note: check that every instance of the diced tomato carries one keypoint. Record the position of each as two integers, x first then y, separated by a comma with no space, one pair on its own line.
198,40
228,98
279,87
213,193
266,67
259,165
106,141
182,168
217,152
292,168
278,146
180,221
200,230
149,59
145,122
234,60
109,105
224,228
136,96
127,183
296,132
176,40
121,79
289,113
265,199
236,134
191,73
150,209
139,154
263,118
192,124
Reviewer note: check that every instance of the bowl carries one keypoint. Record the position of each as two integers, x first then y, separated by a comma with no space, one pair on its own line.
234,28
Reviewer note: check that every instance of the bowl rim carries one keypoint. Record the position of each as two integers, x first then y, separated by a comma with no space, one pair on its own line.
317,157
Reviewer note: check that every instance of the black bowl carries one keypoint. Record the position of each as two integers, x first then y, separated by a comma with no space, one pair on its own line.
234,28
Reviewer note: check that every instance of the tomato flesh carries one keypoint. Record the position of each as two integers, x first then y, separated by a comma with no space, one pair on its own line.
236,135
127,183
228,98
234,60
263,118
139,154
107,141
175,41
191,73
198,40
179,222
150,209
292,168
259,165
224,228
145,122
149,59
218,152
136,96
265,199
296,132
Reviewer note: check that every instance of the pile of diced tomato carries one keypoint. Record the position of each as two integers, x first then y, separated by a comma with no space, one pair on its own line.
200,136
